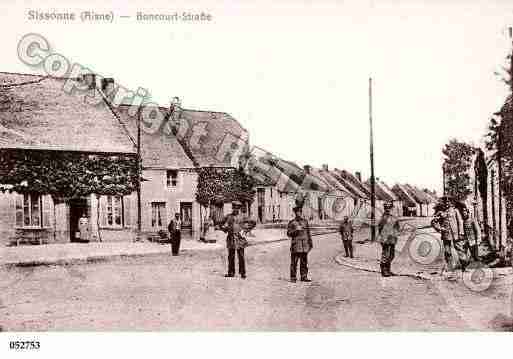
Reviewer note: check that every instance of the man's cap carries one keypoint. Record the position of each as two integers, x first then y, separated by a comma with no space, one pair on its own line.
236,204
388,205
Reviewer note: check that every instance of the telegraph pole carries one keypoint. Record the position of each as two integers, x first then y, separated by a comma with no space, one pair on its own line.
372,179
139,175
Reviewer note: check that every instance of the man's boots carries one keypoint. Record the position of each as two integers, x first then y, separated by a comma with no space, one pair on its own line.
389,271
384,272
474,252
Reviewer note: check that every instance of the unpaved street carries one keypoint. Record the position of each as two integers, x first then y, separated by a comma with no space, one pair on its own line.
189,292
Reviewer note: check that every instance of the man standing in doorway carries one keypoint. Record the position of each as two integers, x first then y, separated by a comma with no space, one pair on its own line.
83,228
235,225
388,230
174,228
301,243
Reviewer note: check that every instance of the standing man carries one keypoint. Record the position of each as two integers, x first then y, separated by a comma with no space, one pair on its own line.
388,231
346,232
174,228
301,243
448,222
472,233
235,225
83,228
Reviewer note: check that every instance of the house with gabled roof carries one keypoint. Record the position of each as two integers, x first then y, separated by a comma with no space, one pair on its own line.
361,195
421,199
339,201
41,125
274,193
409,203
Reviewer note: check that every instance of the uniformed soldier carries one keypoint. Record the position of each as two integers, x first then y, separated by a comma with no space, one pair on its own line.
472,232
301,243
448,222
388,230
175,232
346,232
235,225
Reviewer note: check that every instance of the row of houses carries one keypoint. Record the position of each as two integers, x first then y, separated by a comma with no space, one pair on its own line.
38,118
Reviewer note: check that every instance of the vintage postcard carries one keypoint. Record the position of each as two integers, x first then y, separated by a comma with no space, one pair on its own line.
255,166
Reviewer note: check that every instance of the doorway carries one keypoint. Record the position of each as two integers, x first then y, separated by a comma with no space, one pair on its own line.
77,207
186,215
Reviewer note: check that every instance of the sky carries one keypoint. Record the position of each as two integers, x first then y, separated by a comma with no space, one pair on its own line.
295,73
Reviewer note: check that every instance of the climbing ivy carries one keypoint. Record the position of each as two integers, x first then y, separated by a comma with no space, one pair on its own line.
66,175
217,185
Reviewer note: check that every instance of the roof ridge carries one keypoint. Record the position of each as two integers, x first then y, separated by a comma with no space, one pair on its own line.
23,83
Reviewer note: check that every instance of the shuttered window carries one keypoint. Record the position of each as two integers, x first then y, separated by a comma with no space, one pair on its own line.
111,211
30,212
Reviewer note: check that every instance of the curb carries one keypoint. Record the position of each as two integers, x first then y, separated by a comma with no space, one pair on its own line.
339,259
94,258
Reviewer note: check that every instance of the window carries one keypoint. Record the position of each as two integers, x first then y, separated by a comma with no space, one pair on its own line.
172,178
29,211
158,214
114,211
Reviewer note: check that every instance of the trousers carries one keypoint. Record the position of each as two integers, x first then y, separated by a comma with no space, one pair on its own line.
461,247
240,258
175,242
387,253
348,248
302,258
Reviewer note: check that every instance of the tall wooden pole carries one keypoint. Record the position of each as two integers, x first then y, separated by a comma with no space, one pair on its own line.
372,179
139,175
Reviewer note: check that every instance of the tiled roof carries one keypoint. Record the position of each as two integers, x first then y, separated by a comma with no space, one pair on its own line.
215,128
35,113
387,190
352,183
417,194
334,183
404,195
158,150
381,194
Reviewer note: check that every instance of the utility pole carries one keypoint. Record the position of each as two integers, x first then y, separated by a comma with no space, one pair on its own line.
372,179
139,175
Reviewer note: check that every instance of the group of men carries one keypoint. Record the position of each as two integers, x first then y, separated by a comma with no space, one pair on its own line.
456,225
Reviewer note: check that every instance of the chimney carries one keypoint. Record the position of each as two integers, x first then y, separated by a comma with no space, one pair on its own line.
307,169
358,175
325,167
90,80
108,85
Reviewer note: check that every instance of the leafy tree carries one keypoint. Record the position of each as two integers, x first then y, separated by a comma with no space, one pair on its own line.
217,185
457,163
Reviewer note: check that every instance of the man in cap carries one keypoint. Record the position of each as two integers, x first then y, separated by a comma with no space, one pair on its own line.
346,232
235,225
388,230
448,222
301,243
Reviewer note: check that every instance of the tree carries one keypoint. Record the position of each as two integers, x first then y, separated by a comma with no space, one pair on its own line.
457,163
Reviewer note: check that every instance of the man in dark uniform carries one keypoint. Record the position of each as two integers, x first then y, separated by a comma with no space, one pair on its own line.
174,228
388,229
346,232
301,243
235,225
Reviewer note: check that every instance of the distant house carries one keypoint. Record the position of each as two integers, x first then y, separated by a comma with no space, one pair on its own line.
421,199
361,196
274,200
409,203
342,201
384,195
39,120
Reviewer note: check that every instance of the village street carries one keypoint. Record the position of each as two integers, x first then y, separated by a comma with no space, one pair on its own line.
189,292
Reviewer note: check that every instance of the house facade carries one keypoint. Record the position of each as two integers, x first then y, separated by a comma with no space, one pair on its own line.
39,120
